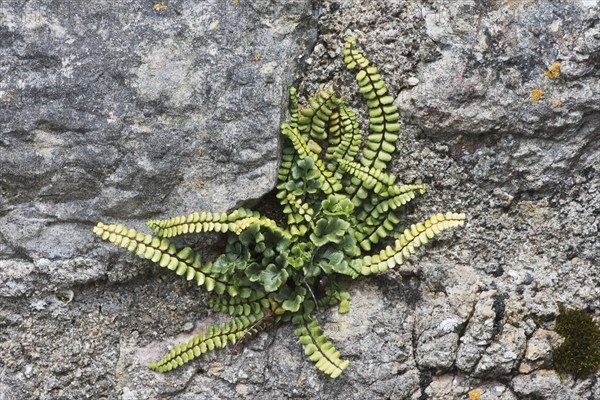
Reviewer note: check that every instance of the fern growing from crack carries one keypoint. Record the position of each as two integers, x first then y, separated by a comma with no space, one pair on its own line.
339,204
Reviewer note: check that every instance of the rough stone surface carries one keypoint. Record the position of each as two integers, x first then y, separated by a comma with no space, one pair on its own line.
96,111
115,111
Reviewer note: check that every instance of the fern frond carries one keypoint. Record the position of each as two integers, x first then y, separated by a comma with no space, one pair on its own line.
289,154
396,190
198,222
379,218
350,140
162,252
299,213
334,129
237,306
329,183
380,229
383,114
318,348
288,158
215,337
411,239
293,107
371,179
313,120
239,226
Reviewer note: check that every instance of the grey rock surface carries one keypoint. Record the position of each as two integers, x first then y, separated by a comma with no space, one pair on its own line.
121,111
105,106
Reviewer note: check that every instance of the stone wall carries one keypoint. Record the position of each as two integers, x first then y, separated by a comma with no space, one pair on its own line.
119,112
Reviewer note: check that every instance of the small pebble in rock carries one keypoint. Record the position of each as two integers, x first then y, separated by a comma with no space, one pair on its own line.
188,326
412,81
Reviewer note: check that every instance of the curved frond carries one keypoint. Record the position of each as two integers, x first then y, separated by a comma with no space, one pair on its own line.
379,219
329,183
184,262
371,179
198,222
411,239
239,226
318,348
383,114
349,143
293,107
215,337
314,119
237,306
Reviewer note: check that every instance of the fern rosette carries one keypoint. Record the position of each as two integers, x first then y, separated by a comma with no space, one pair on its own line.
341,222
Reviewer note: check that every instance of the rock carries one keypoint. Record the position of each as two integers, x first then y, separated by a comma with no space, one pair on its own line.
539,350
124,113
544,384
501,356
121,113
478,334
412,81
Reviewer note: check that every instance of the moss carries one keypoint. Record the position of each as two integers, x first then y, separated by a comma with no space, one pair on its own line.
579,355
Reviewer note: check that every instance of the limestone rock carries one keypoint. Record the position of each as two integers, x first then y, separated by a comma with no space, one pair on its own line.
119,112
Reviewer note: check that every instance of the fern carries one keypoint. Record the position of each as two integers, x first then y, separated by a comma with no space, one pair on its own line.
338,203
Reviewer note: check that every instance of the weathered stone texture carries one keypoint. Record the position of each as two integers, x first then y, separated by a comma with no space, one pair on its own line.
104,107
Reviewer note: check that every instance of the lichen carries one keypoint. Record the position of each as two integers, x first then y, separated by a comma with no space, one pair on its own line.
579,355
536,95
553,72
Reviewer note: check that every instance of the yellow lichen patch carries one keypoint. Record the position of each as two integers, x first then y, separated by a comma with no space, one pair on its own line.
257,57
474,394
215,25
554,71
162,6
536,95
200,152
235,2
557,104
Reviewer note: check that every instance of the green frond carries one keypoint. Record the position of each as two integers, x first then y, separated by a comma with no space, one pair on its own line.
417,188
289,153
334,129
411,239
329,183
199,222
336,293
381,228
313,120
293,107
217,336
349,143
239,226
379,218
383,114
371,179
288,158
237,306
318,348
161,251
299,214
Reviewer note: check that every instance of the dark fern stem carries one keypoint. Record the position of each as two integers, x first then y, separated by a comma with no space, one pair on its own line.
256,327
